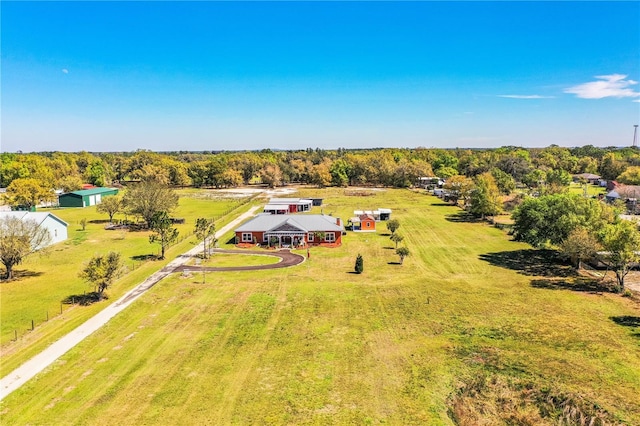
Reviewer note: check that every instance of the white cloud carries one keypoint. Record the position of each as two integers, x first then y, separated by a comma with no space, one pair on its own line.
636,100
607,86
65,71
526,96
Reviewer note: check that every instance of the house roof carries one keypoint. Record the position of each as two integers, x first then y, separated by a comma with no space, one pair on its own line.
627,191
276,207
289,201
587,176
306,223
366,217
93,191
38,217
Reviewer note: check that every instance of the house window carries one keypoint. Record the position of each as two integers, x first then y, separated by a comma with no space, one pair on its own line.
264,237
329,237
310,237
247,237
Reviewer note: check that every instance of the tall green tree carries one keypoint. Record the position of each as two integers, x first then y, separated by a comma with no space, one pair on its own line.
18,239
340,170
145,199
611,167
164,233
506,183
550,219
97,173
621,244
205,230
485,199
102,270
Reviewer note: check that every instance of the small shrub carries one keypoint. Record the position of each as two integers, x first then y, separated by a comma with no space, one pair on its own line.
359,267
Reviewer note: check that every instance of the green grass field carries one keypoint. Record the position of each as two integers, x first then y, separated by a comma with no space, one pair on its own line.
317,344
224,260
45,280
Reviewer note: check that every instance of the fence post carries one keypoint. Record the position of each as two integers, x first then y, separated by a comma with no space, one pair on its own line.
32,325
47,315
60,308
16,334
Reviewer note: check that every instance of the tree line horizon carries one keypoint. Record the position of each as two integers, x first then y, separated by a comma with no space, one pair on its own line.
392,167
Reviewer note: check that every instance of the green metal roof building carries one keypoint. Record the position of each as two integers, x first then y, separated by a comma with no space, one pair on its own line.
85,197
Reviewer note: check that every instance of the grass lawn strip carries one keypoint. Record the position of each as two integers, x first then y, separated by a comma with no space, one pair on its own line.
318,344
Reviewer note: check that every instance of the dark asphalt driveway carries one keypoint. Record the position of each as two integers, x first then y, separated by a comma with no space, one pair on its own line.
287,259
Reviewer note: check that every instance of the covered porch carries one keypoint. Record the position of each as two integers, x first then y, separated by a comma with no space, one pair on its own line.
286,239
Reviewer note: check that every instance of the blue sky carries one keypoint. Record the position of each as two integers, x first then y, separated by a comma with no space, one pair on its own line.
121,76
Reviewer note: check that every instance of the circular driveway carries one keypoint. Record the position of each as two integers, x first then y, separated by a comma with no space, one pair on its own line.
287,259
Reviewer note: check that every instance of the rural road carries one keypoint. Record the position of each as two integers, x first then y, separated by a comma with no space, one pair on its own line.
35,365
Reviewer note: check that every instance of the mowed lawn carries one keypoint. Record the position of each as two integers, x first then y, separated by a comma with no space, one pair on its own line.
46,280
317,344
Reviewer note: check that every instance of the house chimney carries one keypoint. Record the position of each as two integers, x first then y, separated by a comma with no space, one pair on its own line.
338,221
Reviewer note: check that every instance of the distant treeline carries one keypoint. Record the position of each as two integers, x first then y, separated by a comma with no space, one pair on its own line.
392,167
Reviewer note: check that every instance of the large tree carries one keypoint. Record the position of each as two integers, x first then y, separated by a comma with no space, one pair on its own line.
550,219
163,231
70,183
29,192
271,175
18,239
110,205
459,188
621,244
145,199
103,270
580,245
485,199
631,176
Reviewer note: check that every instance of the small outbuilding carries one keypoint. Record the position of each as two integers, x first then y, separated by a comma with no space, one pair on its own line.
276,209
57,227
363,223
380,214
85,197
295,205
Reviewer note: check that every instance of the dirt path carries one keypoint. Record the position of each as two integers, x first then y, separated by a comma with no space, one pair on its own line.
35,365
